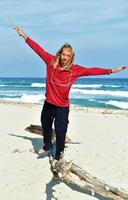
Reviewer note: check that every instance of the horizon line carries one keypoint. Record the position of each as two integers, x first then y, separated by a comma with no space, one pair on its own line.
78,78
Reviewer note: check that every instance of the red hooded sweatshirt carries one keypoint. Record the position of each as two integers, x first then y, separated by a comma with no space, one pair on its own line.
59,81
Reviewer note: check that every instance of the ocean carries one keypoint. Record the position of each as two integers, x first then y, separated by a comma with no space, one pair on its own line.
86,92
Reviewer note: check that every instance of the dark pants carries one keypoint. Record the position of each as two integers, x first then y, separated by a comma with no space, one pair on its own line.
58,115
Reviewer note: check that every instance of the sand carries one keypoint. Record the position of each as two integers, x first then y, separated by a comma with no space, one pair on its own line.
100,146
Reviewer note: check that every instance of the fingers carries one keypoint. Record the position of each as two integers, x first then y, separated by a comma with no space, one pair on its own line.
19,30
124,67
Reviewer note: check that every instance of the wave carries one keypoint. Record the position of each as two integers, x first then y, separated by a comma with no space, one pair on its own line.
123,105
32,98
15,86
38,85
78,85
86,86
101,92
43,85
93,86
28,98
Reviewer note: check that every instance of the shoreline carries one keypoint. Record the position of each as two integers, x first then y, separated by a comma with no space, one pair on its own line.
106,110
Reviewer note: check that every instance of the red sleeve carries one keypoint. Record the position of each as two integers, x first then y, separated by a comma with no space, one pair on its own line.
39,50
83,71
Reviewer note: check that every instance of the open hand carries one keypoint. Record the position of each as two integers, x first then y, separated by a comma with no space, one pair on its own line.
118,69
20,32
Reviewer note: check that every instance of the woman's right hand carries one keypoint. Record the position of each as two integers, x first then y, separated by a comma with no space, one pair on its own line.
20,32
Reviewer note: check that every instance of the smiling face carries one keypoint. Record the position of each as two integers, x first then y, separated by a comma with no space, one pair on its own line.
65,56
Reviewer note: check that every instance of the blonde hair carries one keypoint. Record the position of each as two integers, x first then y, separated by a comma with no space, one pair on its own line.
69,62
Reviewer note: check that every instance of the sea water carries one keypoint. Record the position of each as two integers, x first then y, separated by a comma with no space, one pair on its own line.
87,92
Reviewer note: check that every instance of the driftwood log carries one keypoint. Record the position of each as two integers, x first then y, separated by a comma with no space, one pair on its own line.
38,130
72,174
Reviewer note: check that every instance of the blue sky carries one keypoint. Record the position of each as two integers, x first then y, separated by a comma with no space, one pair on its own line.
97,30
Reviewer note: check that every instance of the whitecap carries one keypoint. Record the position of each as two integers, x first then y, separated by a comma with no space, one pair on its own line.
86,86
32,98
100,92
38,85
119,104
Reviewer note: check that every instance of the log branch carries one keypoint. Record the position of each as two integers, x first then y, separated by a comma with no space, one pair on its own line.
72,174
39,131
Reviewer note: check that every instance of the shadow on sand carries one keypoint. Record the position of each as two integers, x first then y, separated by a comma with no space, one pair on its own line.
55,181
37,143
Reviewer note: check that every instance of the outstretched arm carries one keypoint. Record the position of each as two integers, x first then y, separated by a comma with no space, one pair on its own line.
83,71
36,47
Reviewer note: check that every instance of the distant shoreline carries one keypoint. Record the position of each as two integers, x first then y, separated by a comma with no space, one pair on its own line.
72,107
87,77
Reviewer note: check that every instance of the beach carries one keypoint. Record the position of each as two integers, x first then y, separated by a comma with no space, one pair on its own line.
99,146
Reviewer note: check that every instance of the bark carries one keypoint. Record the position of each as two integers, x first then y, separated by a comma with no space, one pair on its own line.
72,174
38,130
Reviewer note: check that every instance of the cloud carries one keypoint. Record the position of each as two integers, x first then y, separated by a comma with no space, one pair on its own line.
93,25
